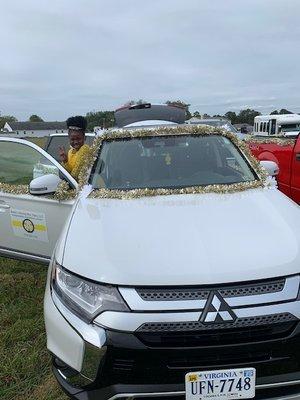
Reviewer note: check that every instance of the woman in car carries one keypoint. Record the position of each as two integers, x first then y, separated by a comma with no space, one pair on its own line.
73,160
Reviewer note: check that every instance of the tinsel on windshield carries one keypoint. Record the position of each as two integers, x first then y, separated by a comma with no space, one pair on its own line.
65,193
170,131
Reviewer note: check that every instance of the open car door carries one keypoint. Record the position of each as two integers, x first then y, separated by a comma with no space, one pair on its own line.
29,224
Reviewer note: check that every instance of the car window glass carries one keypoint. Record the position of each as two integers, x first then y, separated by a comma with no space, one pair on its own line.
19,164
170,162
62,141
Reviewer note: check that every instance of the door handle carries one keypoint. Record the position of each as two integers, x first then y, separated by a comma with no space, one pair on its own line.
298,156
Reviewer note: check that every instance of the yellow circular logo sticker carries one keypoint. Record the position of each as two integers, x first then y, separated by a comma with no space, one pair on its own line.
28,225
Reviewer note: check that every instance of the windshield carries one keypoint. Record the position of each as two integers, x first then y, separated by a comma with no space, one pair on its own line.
169,162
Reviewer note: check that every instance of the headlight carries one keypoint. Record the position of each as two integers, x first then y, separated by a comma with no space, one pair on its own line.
85,298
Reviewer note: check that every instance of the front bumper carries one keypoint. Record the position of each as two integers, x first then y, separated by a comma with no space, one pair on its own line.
91,362
129,368
287,391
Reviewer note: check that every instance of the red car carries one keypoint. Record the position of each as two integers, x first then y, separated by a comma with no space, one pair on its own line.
285,152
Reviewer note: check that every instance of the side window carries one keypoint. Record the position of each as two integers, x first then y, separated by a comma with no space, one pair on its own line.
54,144
19,164
273,126
62,141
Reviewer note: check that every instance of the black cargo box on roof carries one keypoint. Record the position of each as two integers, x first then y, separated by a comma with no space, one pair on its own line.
143,112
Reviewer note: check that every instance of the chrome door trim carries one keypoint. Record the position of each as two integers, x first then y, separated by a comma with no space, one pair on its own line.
18,255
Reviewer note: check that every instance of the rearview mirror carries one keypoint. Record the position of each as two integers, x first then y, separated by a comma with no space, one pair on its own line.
45,184
271,167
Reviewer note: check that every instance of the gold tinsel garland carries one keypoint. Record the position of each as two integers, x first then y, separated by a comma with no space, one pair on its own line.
14,189
170,131
64,193
137,193
280,141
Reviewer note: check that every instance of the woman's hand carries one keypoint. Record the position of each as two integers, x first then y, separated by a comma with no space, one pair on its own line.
62,154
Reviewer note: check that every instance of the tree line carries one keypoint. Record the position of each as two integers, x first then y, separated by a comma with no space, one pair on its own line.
105,119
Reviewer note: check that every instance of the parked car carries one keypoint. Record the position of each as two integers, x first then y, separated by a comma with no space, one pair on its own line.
180,293
286,154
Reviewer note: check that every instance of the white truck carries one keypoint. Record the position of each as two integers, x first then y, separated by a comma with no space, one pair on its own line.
275,125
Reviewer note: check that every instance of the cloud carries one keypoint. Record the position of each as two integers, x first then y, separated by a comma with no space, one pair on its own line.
68,57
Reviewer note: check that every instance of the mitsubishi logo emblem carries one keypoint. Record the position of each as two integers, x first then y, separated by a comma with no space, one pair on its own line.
217,310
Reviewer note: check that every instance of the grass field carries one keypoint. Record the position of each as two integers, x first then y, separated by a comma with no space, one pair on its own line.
24,361
39,141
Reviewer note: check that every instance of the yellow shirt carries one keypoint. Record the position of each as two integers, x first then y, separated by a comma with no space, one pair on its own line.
76,160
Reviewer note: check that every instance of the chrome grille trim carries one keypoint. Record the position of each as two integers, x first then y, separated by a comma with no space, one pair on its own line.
185,298
289,293
250,290
131,321
158,294
136,303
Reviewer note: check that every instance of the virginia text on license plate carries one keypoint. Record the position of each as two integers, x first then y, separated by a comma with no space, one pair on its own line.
221,384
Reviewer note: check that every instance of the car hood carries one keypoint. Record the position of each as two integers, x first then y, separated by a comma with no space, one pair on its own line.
185,239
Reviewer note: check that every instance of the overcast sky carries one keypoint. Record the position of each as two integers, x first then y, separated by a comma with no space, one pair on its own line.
67,57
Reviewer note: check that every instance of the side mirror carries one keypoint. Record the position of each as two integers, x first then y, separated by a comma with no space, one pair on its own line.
271,167
45,184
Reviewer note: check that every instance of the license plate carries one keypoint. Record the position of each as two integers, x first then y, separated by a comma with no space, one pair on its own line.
221,384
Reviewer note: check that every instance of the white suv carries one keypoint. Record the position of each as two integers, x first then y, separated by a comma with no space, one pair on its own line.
176,273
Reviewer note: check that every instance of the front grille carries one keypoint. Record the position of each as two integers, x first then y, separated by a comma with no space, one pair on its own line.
196,293
220,360
130,361
199,326
218,337
250,290
173,294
